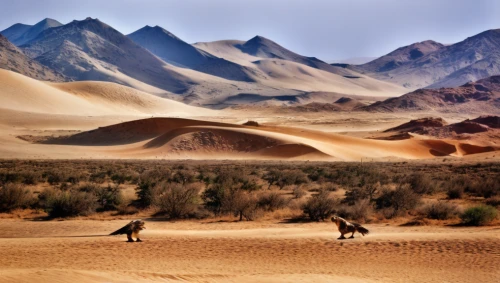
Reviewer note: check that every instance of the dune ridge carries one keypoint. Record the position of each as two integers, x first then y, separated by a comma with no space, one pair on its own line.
174,138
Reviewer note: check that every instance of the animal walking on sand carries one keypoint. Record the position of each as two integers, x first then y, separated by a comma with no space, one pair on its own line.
132,230
347,227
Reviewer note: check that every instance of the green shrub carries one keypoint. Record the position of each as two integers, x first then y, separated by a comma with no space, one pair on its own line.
14,196
479,215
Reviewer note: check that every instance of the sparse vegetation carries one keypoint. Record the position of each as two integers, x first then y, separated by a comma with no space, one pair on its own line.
14,196
247,191
440,210
479,215
320,206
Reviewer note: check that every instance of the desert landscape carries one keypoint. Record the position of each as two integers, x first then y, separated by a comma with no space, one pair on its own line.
237,153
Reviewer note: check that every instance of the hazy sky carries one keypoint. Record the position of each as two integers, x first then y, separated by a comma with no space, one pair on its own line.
327,29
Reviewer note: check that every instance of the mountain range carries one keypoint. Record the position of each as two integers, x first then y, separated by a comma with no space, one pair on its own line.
431,64
227,72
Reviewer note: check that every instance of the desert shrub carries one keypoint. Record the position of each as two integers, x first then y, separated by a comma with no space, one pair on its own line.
440,210
493,201
31,178
213,198
55,177
359,211
421,183
329,187
400,200
14,196
184,176
242,204
479,215
108,198
298,192
486,188
178,200
69,203
98,177
283,178
368,191
271,201
455,192
319,206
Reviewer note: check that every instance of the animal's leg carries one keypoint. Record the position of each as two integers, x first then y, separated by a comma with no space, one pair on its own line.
129,237
138,240
341,236
352,236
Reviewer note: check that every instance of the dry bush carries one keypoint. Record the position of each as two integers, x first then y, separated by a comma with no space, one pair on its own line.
455,192
440,210
486,188
283,178
298,192
320,206
109,198
360,211
421,183
14,196
397,202
271,201
493,201
68,203
368,191
178,200
479,215
242,204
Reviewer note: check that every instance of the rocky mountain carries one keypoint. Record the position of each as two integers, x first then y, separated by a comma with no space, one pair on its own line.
430,64
15,31
20,34
482,96
401,56
90,49
175,51
13,59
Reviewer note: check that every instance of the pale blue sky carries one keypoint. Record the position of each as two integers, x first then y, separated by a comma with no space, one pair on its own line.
327,29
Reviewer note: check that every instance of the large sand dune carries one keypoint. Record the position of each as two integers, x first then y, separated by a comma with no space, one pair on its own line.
21,93
174,138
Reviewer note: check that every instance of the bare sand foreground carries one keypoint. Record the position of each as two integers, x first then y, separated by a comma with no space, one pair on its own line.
78,251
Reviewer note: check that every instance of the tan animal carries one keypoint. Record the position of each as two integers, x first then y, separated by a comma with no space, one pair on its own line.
347,227
132,230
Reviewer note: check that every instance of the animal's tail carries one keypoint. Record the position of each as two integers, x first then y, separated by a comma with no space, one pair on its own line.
362,230
120,231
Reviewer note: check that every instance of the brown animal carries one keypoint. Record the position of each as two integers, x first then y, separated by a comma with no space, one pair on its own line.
347,227
132,230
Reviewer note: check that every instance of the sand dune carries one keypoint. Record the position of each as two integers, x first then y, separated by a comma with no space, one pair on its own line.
21,93
174,138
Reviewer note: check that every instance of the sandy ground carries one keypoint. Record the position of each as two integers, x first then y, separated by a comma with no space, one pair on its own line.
213,251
